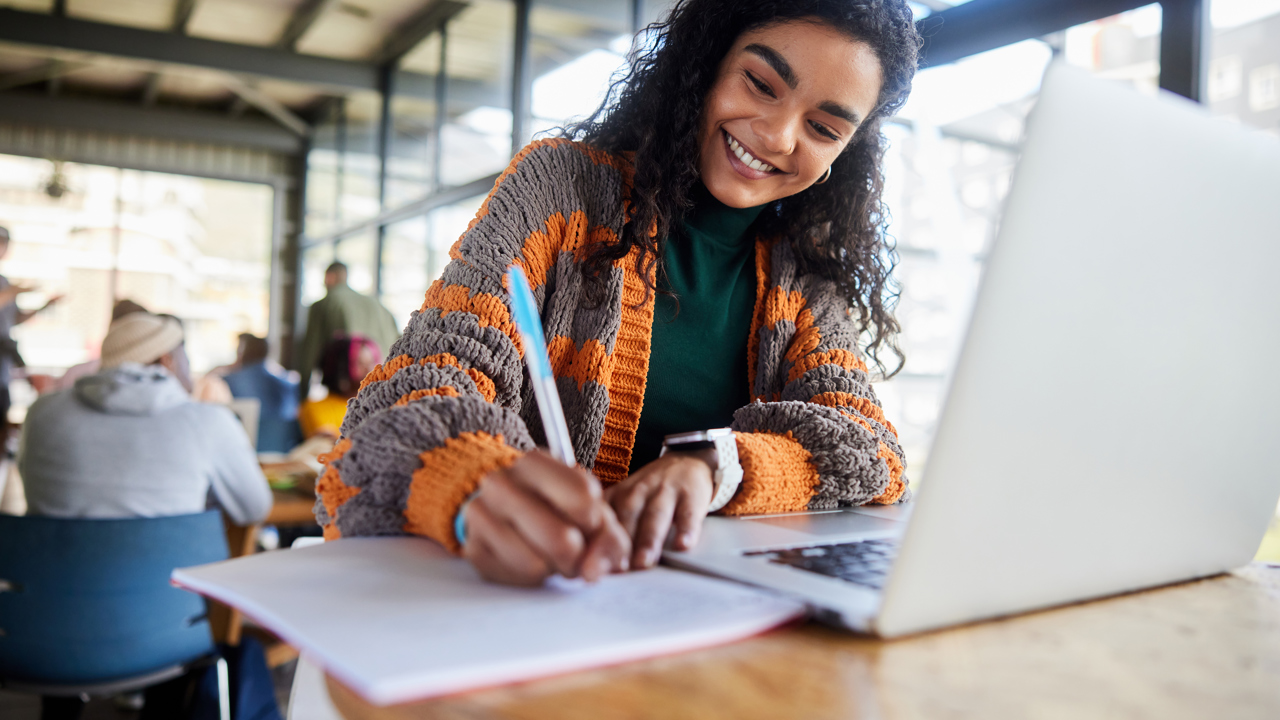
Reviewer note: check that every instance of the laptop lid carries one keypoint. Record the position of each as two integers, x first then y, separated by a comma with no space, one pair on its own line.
1112,418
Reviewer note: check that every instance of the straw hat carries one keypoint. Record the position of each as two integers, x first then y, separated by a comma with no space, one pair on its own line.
140,337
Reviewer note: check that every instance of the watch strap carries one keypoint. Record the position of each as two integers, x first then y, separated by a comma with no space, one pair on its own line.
727,474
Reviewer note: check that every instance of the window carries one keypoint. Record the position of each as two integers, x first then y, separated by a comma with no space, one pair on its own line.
575,52
1225,78
197,248
324,166
412,161
953,148
1264,88
358,189
952,151
1244,69
1123,47
314,262
357,253
406,268
417,251
476,139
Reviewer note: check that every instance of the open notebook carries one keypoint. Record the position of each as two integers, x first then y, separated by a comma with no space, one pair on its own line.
398,619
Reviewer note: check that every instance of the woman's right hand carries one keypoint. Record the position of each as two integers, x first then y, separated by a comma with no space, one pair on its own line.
539,517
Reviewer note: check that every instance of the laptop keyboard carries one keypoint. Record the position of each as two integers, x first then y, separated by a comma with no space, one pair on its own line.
865,562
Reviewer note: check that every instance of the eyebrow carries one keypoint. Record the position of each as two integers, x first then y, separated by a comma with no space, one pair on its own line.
783,68
776,61
841,112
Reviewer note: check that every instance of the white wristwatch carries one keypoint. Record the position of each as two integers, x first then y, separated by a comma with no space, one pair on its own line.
726,474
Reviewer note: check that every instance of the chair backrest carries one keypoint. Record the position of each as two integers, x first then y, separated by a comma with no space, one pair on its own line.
248,411
89,600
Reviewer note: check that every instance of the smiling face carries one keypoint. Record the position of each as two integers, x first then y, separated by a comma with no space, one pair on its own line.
786,102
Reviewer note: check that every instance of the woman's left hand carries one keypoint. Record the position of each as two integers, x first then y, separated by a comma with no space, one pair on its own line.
674,489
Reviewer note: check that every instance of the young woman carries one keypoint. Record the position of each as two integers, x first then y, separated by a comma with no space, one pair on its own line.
707,251
343,363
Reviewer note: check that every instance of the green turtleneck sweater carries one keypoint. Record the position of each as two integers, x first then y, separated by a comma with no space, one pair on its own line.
698,360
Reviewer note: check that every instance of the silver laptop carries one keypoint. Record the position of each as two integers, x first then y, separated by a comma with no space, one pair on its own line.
1113,422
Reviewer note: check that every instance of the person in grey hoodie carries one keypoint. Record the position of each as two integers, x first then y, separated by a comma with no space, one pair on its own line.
130,442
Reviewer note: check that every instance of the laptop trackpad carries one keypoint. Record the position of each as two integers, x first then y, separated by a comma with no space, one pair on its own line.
831,523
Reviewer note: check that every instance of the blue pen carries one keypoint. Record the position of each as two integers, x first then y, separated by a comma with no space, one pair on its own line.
539,364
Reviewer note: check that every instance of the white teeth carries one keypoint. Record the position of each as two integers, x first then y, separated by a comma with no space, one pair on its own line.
746,158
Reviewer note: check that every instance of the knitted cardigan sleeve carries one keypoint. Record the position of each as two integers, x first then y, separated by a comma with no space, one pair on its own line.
815,436
443,408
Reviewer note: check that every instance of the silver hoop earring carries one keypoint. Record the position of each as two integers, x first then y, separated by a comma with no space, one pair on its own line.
825,176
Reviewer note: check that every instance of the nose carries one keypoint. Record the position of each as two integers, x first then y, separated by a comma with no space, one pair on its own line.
778,131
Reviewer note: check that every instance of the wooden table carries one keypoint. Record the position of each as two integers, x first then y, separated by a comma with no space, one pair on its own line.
1209,649
289,507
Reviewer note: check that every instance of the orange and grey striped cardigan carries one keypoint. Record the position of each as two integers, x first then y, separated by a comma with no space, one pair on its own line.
450,402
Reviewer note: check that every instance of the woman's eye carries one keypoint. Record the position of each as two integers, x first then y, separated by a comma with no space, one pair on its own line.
824,131
760,85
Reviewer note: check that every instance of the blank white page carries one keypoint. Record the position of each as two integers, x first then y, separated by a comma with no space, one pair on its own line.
399,619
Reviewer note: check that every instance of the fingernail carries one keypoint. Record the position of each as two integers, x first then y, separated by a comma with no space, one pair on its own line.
601,567
651,557
686,541
624,565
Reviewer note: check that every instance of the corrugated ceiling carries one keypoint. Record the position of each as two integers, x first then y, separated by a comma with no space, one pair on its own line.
479,50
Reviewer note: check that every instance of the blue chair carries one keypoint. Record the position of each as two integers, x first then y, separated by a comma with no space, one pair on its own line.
86,608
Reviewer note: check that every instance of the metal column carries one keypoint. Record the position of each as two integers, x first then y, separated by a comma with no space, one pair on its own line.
521,80
386,127
1184,47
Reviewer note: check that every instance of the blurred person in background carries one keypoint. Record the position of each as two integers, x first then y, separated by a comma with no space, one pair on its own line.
209,387
345,362
342,311
47,383
129,441
253,377
10,316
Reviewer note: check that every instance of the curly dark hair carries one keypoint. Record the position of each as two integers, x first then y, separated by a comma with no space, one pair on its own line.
837,229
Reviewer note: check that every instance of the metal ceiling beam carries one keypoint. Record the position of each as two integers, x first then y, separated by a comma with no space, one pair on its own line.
983,25
417,28
602,15
151,89
411,209
273,108
173,49
182,12
47,71
303,18
464,93
131,119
